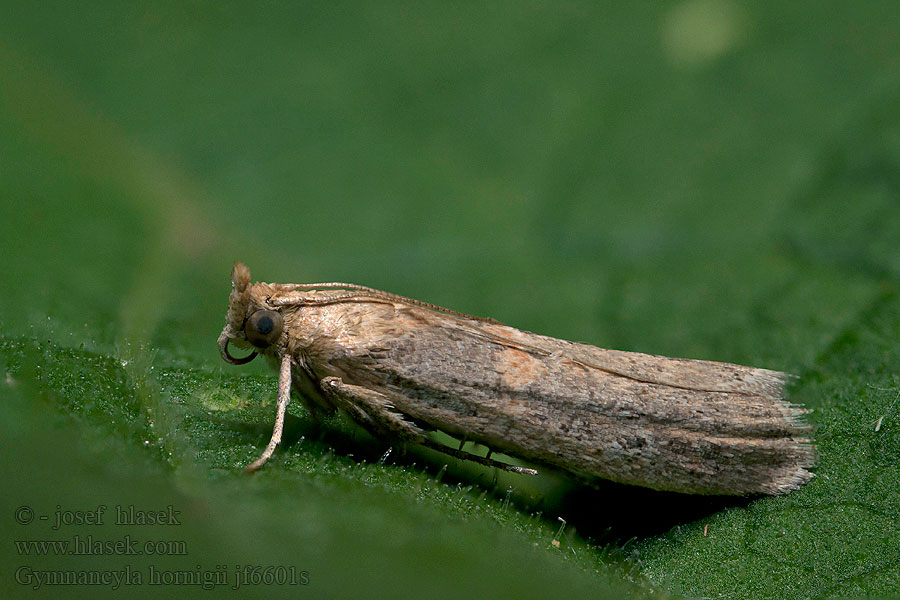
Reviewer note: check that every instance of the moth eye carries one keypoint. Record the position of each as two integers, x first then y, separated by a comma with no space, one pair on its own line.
264,327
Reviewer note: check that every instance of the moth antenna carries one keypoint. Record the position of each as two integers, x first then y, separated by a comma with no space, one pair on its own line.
368,293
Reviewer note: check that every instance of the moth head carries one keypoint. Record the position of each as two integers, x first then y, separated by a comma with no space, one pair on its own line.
246,321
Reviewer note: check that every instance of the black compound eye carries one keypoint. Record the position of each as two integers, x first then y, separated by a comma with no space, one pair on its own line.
264,327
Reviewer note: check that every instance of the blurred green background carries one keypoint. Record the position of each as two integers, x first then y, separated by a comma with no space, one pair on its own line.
703,178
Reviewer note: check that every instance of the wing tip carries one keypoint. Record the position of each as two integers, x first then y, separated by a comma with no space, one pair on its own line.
796,473
803,456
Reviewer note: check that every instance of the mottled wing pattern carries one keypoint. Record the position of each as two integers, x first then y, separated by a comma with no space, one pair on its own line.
671,424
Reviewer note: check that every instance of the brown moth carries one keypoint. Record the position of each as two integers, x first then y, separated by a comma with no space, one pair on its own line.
401,368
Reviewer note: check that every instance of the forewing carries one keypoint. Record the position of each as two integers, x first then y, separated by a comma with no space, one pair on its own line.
675,424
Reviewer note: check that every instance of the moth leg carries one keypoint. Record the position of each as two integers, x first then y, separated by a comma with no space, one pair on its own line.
484,460
373,410
284,396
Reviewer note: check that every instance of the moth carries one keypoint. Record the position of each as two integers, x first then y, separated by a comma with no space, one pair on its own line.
402,368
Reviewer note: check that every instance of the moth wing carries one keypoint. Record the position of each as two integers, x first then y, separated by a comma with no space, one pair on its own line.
671,424
678,424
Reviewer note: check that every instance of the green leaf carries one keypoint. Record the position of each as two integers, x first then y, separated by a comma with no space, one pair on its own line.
699,179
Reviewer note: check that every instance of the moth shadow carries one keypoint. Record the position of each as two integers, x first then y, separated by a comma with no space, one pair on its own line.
614,513
332,434
604,512
296,429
